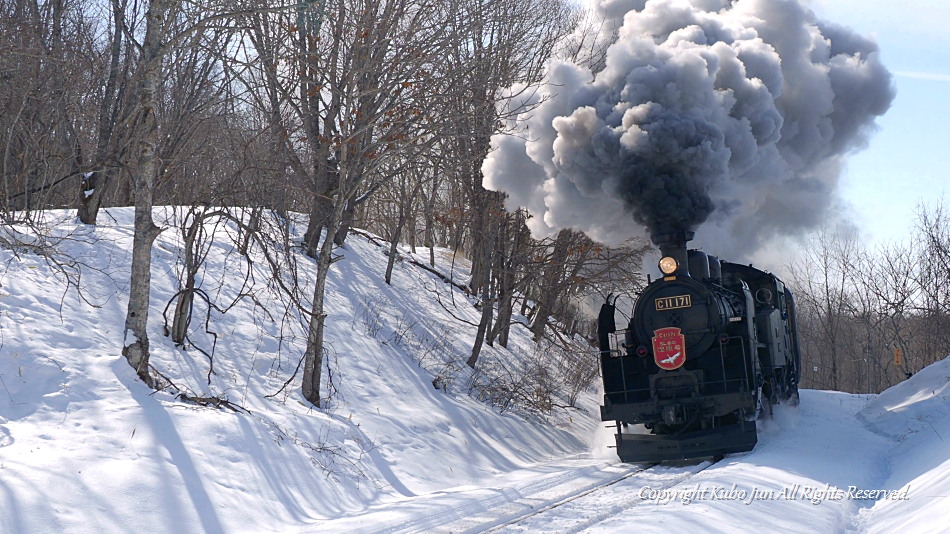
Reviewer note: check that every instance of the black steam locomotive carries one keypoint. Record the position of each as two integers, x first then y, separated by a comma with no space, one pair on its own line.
711,346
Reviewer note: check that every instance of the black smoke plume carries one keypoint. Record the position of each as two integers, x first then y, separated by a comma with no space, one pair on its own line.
730,118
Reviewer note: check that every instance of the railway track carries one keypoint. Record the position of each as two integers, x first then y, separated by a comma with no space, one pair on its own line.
564,496
479,510
518,520
519,510
579,512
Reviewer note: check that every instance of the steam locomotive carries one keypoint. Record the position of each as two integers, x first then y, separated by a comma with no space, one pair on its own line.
710,347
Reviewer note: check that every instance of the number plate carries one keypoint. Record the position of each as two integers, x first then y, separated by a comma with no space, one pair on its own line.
672,303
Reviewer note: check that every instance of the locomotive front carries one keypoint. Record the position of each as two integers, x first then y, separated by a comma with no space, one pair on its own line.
683,369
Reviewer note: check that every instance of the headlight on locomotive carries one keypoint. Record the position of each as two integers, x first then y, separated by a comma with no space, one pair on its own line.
668,265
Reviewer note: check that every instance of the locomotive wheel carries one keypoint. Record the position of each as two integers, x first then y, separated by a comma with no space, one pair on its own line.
788,389
793,397
752,415
763,408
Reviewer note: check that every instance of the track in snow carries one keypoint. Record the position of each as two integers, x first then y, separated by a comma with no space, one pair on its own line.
577,513
483,509
493,502
562,496
511,513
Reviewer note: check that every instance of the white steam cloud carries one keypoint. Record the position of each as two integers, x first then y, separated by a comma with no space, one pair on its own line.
730,118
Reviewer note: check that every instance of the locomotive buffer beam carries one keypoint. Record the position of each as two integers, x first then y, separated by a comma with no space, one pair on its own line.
712,441
739,437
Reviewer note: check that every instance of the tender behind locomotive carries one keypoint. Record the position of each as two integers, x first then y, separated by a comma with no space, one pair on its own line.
710,345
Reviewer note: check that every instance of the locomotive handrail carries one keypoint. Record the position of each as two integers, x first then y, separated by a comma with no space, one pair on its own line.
745,358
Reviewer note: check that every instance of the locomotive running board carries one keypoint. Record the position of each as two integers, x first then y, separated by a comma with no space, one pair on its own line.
740,437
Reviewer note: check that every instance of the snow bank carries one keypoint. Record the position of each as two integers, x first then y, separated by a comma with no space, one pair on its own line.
916,414
86,447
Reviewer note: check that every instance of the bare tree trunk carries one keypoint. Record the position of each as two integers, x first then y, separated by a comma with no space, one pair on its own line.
186,297
509,262
316,223
136,344
393,246
483,323
484,257
410,223
313,355
428,236
394,243
95,184
247,233
553,273
349,215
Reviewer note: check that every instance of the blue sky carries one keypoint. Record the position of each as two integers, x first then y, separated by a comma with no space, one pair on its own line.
908,160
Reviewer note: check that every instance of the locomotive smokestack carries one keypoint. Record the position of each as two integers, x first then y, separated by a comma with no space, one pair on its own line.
673,245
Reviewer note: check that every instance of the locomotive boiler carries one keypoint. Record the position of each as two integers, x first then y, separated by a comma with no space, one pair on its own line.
710,346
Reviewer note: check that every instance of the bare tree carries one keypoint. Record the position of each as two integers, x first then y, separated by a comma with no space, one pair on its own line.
824,282
103,179
496,44
349,86
407,187
43,86
148,76
170,32
932,275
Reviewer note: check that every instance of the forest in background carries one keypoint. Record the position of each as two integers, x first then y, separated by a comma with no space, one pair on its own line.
872,316
371,115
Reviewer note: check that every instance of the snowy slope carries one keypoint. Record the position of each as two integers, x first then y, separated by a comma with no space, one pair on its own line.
85,447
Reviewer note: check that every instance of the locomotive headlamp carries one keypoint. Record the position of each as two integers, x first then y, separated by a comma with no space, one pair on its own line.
668,265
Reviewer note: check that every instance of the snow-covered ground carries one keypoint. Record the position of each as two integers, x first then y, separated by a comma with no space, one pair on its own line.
86,447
